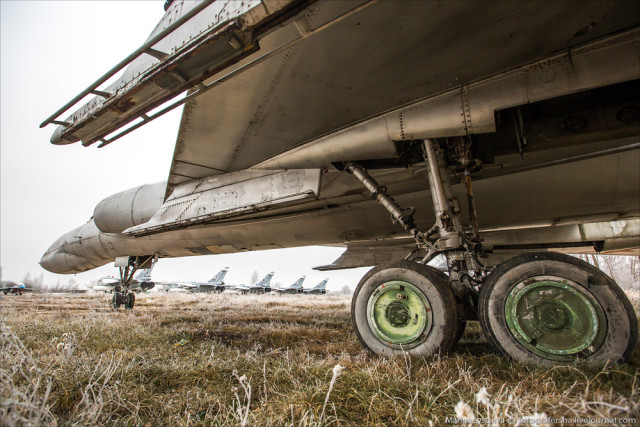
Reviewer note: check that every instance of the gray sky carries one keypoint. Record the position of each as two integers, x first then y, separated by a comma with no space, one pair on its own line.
51,51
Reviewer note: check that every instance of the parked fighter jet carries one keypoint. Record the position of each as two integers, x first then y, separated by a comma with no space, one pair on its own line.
215,284
295,288
487,130
263,286
14,288
104,284
320,288
141,283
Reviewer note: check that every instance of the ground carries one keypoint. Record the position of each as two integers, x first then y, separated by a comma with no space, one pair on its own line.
229,359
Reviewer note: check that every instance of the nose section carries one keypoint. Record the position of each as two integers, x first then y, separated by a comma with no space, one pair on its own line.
54,261
58,139
61,262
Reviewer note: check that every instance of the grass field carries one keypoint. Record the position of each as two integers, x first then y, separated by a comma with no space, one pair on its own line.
183,359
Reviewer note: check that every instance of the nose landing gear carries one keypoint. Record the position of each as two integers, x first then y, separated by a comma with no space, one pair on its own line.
123,296
537,307
126,299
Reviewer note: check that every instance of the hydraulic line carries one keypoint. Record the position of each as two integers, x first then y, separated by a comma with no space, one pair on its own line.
379,193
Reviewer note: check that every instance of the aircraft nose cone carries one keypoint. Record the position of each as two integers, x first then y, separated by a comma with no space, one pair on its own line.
57,138
60,262
54,262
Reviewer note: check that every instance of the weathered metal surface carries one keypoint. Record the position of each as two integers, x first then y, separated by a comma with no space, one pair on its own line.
120,211
470,108
555,318
221,32
381,77
231,195
399,314
294,110
601,189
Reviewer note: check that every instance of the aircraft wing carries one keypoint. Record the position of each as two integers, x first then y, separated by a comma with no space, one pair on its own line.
544,92
350,72
297,70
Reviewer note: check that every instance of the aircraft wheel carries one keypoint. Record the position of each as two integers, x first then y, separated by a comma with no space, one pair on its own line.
405,306
553,308
462,324
131,300
115,301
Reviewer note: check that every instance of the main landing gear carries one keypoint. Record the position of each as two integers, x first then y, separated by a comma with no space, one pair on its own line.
123,296
537,307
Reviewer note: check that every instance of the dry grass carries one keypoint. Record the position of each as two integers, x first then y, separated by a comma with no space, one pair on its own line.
183,359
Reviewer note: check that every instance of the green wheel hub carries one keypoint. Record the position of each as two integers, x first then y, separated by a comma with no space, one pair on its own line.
555,318
399,314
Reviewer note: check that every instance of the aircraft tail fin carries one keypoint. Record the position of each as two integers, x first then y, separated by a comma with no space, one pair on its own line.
322,285
298,283
218,278
266,281
144,275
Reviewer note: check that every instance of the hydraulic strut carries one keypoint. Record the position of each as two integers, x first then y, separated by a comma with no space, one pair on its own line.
447,236
445,206
404,216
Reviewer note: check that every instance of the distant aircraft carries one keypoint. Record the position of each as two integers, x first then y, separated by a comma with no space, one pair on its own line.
215,284
295,288
263,286
320,288
497,133
141,283
16,289
104,284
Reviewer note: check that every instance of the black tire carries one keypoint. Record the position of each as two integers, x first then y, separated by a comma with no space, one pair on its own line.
131,300
115,301
462,324
614,330
426,284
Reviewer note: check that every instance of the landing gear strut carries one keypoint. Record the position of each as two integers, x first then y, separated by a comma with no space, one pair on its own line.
537,307
123,296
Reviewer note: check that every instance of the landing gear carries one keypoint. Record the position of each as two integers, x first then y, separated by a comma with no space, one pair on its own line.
123,296
537,307
131,300
116,301
554,308
126,299
405,306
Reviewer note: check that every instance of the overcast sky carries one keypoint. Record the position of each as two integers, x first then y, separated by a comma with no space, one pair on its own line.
51,51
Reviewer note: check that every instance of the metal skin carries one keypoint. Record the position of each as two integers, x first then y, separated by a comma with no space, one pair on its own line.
399,314
256,149
555,318
532,101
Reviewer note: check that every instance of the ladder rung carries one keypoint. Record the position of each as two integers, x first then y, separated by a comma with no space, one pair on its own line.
101,93
156,54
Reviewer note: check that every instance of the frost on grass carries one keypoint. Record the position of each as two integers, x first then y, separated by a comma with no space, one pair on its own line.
124,368
242,405
25,388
